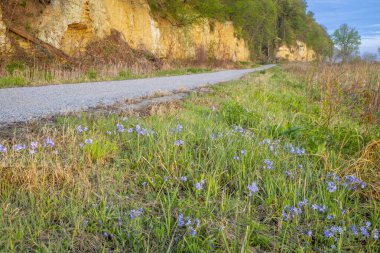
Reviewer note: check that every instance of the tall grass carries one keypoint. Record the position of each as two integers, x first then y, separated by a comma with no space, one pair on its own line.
248,167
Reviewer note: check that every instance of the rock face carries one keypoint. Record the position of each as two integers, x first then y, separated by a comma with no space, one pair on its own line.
4,42
299,52
70,25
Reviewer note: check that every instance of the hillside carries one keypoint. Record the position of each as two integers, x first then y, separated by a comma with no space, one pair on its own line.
222,30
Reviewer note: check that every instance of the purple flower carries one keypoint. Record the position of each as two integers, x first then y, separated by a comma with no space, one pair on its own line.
290,212
330,217
179,142
137,128
364,232
130,130
193,232
268,164
81,129
331,187
34,145
88,141
253,188
375,234
328,234
213,108
183,179
318,208
353,230
120,128
49,143
136,213
19,147
166,178
309,233
3,149
243,152
181,221
368,224
199,186
305,202
237,158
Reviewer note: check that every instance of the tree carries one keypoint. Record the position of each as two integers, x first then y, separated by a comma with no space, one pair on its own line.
347,40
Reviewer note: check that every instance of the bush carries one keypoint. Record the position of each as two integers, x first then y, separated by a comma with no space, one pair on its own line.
12,67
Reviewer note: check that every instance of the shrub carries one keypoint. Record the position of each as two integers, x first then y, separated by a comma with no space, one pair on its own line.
12,81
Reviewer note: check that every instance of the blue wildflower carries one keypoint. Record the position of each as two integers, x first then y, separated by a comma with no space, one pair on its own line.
364,232
309,233
368,224
290,212
268,164
183,179
81,129
302,203
88,141
3,149
331,187
19,147
237,158
136,213
243,152
375,234
130,130
319,208
179,143
193,232
353,230
120,128
330,217
49,143
181,221
199,186
253,188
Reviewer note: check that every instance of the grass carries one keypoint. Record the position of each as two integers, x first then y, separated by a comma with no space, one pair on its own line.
227,171
25,78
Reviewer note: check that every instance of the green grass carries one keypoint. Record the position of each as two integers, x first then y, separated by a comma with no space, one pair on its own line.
12,81
125,191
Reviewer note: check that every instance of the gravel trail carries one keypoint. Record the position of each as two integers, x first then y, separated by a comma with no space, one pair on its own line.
27,103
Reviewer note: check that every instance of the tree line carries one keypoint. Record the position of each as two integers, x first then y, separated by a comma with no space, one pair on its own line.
265,24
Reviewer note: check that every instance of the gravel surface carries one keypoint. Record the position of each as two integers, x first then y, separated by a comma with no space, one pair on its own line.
23,104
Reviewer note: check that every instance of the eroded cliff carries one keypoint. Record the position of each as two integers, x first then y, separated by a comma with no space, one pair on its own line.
70,25
299,52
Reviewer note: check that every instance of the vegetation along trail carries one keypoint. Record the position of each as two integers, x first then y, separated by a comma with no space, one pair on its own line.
22,104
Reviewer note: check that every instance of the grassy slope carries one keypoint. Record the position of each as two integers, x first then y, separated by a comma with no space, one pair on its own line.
89,199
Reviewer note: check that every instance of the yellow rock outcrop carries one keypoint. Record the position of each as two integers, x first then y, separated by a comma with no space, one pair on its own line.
71,24
299,52
5,46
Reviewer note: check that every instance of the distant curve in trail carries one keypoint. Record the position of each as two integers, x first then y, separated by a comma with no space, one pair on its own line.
28,103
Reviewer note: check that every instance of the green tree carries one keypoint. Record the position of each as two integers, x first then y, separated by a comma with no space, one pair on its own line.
347,40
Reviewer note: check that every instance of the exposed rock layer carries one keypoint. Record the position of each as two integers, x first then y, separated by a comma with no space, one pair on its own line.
298,52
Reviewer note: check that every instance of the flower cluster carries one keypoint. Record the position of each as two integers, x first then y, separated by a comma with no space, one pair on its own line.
178,129
290,212
252,188
179,143
295,150
136,213
199,185
268,164
81,129
333,231
3,149
191,225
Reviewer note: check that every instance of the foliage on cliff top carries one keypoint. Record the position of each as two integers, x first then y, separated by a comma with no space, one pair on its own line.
265,24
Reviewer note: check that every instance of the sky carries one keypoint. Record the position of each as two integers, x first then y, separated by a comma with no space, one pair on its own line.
364,15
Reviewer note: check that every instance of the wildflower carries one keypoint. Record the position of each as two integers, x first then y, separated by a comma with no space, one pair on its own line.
18,147
81,145
287,173
290,212
300,166
268,164
305,202
237,158
166,178
368,224
321,209
49,143
199,186
330,217
328,234
88,141
309,233
109,132
181,221
239,129
120,128
81,129
243,152
188,222
183,179
144,183
130,130
375,234
34,145
193,232
364,232
213,108
179,142
137,128
125,119
353,230
331,187
3,149
136,213
253,188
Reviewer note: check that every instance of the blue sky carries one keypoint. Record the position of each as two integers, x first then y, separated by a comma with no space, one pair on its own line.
364,15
